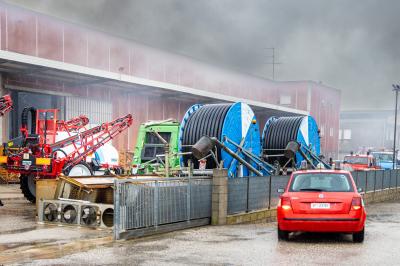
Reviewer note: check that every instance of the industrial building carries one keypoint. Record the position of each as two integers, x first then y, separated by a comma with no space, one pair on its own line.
355,134
49,63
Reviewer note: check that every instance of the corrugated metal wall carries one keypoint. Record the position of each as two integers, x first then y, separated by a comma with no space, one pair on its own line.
97,111
26,32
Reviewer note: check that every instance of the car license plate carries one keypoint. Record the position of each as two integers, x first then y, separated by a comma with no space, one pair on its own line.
320,205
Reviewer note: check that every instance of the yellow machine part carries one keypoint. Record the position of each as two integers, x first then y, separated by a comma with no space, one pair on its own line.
42,161
3,159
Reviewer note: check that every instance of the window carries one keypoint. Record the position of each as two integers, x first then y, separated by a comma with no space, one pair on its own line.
329,182
340,134
153,139
347,134
285,100
322,131
97,111
389,135
356,160
153,146
383,157
331,132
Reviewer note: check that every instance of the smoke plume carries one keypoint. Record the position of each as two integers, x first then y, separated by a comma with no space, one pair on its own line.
349,45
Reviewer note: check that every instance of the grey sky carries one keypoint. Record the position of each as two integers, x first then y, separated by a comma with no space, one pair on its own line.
350,45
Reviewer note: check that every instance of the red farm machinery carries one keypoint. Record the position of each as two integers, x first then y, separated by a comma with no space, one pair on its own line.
39,154
6,104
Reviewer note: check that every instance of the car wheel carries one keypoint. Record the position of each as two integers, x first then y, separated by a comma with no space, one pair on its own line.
359,236
283,235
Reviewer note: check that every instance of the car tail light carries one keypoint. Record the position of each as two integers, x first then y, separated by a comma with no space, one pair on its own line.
285,203
356,203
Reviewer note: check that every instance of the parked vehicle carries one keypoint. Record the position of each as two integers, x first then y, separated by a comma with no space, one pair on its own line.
43,153
150,147
360,162
384,159
321,201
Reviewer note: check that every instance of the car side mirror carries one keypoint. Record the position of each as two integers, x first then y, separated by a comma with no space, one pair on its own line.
281,190
359,190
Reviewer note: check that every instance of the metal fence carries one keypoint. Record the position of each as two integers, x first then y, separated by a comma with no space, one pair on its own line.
150,205
253,193
143,206
261,192
376,180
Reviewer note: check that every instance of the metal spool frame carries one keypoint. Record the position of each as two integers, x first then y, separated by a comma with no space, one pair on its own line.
226,122
278,132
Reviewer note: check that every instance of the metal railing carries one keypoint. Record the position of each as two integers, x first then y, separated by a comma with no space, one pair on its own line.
252,193
147,205
376,180
153,204
260,192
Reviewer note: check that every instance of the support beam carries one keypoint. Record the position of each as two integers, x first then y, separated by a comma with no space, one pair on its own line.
32,70
133,80
87,82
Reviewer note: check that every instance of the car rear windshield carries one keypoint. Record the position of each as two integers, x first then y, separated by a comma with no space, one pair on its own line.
329,182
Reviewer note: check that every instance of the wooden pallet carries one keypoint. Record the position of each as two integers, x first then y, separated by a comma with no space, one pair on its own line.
7,178
125,159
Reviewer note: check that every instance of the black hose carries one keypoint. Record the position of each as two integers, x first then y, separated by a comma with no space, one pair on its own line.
59,150
208,121
278,134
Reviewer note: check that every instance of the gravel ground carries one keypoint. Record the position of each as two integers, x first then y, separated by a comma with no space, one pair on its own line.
252,244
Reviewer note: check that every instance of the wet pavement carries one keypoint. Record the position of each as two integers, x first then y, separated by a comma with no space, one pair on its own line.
22,241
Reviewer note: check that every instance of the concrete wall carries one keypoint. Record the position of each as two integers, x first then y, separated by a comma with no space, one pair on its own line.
370,129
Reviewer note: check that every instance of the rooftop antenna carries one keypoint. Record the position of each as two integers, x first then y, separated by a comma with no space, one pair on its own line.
273,58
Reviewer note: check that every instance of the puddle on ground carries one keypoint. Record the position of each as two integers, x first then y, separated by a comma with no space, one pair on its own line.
9,246
49,250
17,212
16,231
148,248
383,218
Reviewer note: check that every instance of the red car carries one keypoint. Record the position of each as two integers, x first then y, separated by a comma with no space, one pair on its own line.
359,162
321,201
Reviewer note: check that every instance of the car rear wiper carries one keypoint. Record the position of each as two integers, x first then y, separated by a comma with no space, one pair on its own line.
311,189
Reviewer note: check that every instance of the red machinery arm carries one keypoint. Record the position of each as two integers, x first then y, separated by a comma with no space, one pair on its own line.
89,141
73,124
6,104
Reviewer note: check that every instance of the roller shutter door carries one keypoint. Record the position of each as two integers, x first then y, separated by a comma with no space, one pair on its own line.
97,111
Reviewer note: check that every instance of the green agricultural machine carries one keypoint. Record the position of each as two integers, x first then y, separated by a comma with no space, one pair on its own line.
157,142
